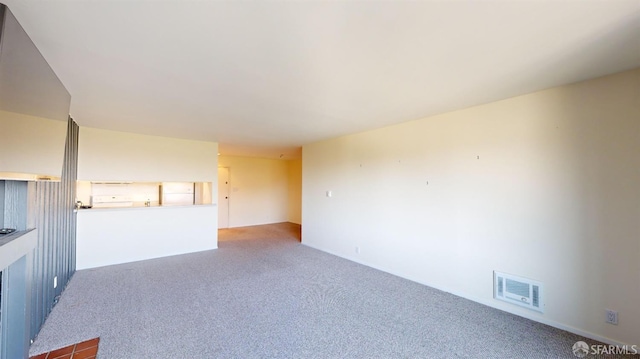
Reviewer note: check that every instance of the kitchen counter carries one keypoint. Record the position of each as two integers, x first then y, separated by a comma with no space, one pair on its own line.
137,207
109,236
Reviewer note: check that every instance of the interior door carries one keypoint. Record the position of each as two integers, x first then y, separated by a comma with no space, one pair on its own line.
223,197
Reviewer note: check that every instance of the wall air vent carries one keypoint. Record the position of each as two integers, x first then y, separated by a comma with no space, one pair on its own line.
517,290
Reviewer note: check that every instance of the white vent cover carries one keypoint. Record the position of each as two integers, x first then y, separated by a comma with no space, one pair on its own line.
517,290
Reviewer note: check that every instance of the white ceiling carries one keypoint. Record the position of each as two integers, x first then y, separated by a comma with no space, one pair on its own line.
264,77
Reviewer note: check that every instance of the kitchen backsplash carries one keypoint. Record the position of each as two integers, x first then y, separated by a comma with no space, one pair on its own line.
139,194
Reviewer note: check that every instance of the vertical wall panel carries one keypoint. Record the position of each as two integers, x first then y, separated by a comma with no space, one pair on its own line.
15,205
52,212
2,203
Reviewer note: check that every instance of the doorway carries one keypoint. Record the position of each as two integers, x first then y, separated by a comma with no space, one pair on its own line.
223,197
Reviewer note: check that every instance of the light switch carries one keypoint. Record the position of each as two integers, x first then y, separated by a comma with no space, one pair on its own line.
329,194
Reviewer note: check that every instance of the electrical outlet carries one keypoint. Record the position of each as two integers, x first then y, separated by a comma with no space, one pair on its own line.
55,282
612,316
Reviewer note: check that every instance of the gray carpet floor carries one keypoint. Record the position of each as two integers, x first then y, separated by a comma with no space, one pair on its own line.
264,295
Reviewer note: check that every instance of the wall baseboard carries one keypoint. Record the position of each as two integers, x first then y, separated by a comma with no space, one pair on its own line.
489,303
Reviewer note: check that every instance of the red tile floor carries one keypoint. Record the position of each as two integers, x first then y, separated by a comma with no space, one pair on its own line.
84,350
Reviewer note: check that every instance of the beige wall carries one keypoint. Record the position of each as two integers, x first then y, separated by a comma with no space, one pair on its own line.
295,191
259,190
544,186
116,156
31,145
